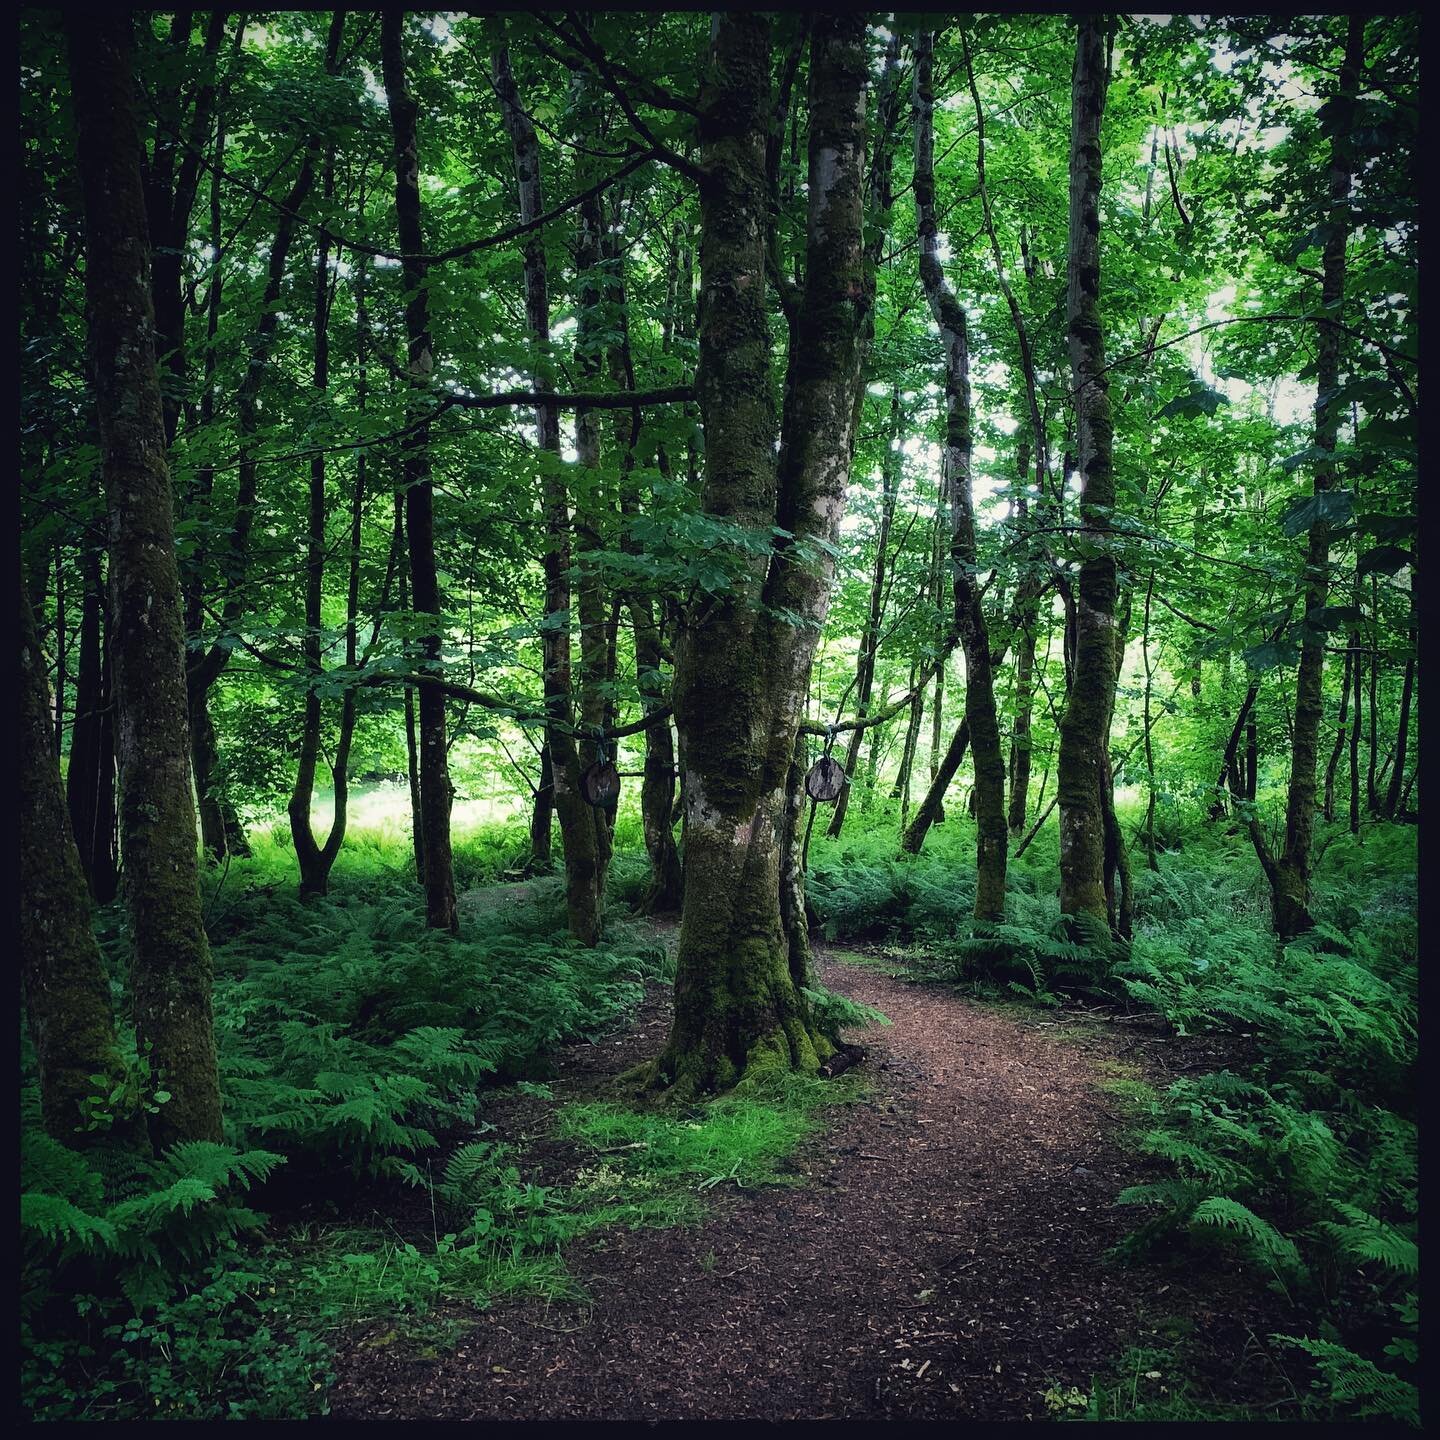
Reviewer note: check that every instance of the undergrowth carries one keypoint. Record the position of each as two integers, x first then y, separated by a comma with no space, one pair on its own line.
1305,1167
355,1049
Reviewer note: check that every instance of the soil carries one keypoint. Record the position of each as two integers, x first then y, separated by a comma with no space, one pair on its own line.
943,1257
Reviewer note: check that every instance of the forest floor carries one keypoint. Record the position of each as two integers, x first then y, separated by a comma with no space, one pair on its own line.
940,1255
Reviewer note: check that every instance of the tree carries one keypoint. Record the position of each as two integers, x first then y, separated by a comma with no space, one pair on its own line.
992,837
1084,766
67,992
1289,872
740,677
436,791
171,969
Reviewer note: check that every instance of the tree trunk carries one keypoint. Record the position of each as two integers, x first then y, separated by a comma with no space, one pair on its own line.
591,507
436,792
870,636
925,816
741,680
1334,764
67,992
171,969
219,822
1402,727
1083,767
992,835
584,882
90,782
1024,682
541,817
1372,794
316,860
1289,875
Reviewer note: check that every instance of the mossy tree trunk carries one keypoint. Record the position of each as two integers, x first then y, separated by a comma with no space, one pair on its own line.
1289,872
436,792
584,886
592,496
171,973
317,860
992,835
1083,765
1020,741
741,677
67,993
90,780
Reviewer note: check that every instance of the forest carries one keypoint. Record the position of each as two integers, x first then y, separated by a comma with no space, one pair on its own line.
719,715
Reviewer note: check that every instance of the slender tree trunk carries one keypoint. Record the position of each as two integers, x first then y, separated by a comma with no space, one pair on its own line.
1402,727
90,781
1289,875
584,881
870,636
316,860
916,708
591,508
1150,860
219,823
1083,727
57,719
936,734
741,680
1024,680
1334,763
171,970
915,832
1372,794
67,993
992,836
541,817
436,792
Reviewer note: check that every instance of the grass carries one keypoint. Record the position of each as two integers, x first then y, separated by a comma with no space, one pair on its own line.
744,1141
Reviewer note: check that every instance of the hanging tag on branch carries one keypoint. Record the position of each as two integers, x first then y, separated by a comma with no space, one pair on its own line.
825,780
600,785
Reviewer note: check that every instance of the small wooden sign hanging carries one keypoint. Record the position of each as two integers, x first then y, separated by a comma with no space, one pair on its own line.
825,780
600,785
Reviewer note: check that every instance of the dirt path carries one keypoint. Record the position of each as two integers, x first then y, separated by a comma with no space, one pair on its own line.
942,1260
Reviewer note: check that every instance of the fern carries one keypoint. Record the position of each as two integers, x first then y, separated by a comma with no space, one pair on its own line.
1358,1386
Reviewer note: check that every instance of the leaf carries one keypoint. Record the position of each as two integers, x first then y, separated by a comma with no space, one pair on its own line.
1307,456
1333,507
1384,560
1271,653
1200,399
1386,527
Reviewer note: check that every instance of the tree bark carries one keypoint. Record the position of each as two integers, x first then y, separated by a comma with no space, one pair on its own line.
90,781
870,636
1084,726
741,678
1334,764
171,969
1024,680
992,834
584,882
1289,874
926,815
1402,726
67,992
317,860
219,822
436,792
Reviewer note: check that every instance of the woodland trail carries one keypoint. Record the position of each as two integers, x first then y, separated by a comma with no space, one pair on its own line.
941,1259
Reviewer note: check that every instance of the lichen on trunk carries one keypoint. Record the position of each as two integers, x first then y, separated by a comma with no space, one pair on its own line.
741,675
